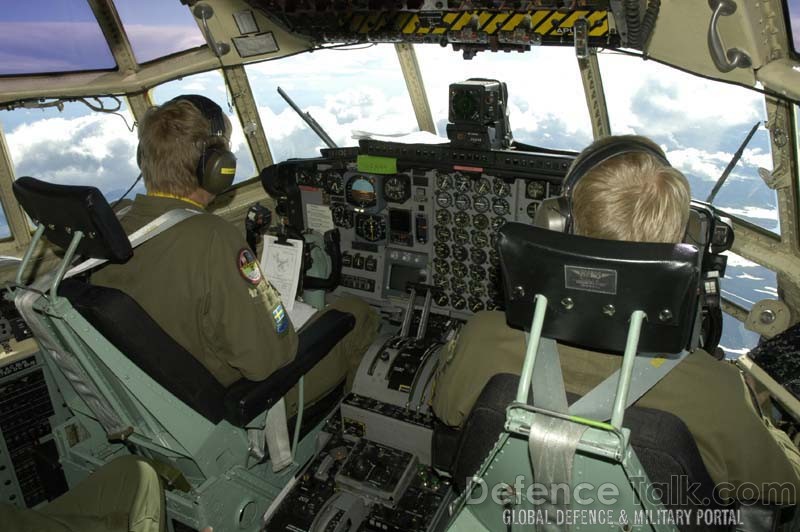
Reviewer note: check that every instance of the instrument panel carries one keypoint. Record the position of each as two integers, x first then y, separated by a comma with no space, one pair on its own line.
435,220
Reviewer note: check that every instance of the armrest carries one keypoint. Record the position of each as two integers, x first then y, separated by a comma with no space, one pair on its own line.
246,399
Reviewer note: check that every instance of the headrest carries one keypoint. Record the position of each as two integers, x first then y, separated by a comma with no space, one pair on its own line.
593,286
65,209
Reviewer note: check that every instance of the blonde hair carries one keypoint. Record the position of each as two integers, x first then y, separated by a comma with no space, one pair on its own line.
172,138
632,196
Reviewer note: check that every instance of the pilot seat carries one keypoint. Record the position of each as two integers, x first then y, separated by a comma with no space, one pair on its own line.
640,300
133,390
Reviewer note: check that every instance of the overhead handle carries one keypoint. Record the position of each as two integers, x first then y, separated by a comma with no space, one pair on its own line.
724,59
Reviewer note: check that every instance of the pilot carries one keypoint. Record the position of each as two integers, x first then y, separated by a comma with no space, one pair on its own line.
124,495
199,280
632,196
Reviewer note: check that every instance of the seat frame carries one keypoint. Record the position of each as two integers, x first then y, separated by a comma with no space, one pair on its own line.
212,477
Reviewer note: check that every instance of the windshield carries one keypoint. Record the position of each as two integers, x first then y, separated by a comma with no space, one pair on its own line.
547,105
364,92
41,36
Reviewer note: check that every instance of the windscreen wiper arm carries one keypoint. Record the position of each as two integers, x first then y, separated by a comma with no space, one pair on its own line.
731,165
308,119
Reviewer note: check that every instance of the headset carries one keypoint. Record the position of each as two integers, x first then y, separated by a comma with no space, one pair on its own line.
556,213
216,167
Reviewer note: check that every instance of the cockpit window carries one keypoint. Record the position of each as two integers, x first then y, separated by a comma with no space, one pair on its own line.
793,23
345,90
701,124
546,100
5,230
156,28
212,85
44,36
76,146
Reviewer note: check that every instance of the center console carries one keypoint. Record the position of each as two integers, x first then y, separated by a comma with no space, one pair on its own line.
417,228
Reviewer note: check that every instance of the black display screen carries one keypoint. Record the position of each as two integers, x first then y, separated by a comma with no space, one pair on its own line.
399,221
400,275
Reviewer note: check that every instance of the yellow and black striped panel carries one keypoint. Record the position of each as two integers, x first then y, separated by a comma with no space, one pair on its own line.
547,23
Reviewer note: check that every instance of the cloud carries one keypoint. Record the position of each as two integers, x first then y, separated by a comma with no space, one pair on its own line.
94,149
753,212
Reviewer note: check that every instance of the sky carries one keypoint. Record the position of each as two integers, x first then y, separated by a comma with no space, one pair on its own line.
63,35
699,123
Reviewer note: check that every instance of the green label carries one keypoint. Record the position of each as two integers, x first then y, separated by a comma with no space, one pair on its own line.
376,165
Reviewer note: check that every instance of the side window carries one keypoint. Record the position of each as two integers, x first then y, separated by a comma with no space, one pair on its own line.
701,124
344,90
76,146
745,283
212,85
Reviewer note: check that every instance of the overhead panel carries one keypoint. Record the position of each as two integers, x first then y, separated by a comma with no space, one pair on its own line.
468,26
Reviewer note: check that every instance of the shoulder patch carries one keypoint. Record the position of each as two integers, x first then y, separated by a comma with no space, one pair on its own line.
248,266
280,318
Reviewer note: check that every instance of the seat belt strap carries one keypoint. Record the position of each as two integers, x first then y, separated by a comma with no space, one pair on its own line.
648,370
142,235
552,442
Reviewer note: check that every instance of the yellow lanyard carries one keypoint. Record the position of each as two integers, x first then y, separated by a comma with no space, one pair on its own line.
173,196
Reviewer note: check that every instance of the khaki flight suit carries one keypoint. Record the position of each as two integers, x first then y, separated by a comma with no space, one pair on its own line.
124,495
736,444
191,281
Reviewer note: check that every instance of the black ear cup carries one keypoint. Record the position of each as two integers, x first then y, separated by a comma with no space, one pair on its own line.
556,213
216,169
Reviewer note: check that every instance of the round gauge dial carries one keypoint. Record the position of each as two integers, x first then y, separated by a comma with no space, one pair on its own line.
501,188
440,298
478,256
481,203
442,233
458,303
494,258
444,181
444,199
482,186
458,284
462,202
460,253
500,207
461,236
360,191
475,304
334,183
342,216
461,219
441,266
476,289
477,273
493,240
531,209
440,281
479,239
498,222
535,190
494,276
480,222
397,188
442,250
459,269
371,228
462,183
443,217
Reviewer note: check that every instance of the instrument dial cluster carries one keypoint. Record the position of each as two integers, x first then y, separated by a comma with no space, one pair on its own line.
469,212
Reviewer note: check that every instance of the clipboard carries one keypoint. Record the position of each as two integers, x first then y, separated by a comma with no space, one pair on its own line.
281,261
